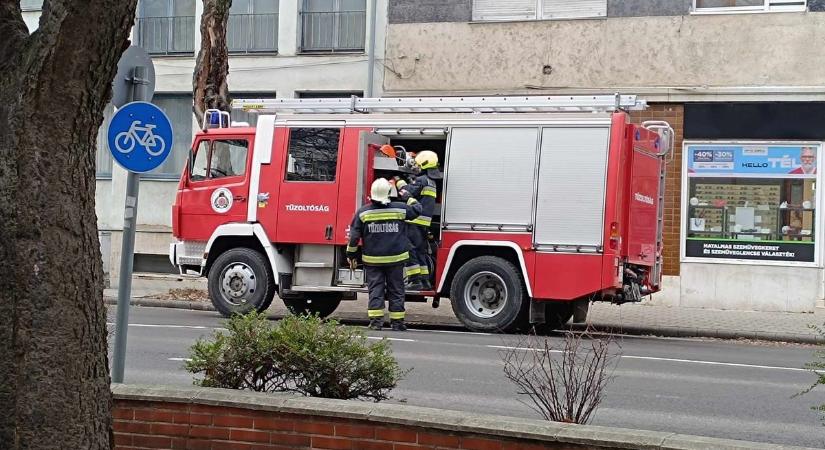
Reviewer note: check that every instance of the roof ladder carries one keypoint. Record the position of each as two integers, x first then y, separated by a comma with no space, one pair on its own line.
597,103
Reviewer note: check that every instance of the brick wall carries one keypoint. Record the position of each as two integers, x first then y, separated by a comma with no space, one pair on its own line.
151,425
673,114
147,417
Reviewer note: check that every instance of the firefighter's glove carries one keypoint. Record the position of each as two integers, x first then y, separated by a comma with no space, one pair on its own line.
353,263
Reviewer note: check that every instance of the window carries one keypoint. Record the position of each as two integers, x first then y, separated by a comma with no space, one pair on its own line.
329,94
717,6
31,5
333,25
201,164
313,154
751,202
167,27
103,159
220,159
253,26
178,108
503,10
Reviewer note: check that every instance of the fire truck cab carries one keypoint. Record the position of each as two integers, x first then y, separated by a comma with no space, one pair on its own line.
546,203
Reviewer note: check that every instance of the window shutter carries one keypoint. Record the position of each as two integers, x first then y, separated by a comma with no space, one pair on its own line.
504,9
573,9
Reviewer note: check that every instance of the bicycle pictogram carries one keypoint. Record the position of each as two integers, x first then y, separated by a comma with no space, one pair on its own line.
153,144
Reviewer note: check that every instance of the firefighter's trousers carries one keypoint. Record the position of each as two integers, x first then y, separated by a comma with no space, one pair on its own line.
385,282
417,267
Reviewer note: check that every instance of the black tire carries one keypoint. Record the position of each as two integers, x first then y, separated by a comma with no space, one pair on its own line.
556,315
252,280
321,304
505,310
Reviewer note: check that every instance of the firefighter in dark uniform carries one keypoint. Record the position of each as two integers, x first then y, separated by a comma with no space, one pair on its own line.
381,228
423,189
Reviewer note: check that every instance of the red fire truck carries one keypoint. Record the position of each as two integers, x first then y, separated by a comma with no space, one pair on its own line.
546,203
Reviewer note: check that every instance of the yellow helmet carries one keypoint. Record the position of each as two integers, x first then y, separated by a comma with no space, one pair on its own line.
426,160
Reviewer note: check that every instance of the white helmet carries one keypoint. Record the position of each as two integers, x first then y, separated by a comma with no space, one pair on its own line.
380,191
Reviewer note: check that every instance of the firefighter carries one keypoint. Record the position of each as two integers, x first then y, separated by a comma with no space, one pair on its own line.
381,228
423,189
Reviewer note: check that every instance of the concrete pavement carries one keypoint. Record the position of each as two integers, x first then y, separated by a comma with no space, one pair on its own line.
635,319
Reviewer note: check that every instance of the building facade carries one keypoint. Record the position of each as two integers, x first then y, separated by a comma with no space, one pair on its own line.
738,79
278,48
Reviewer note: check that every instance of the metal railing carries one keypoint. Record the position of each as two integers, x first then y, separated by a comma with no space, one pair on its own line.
252,33
341,31
167,35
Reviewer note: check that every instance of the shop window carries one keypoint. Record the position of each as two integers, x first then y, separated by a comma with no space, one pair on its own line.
313,154
505,10
725,6
751,202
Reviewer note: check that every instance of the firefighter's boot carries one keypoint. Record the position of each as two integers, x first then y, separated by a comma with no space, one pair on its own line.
376,324
398,325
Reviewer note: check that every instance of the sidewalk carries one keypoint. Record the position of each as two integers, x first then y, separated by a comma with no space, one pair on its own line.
635,319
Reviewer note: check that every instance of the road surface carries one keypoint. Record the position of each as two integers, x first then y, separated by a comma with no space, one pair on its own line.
700,387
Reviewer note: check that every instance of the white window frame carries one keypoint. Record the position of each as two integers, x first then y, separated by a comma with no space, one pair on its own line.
538,16
768,6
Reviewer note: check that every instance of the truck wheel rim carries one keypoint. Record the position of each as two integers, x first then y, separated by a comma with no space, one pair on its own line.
238,283
485,294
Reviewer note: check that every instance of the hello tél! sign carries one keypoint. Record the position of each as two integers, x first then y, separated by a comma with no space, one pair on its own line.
759,161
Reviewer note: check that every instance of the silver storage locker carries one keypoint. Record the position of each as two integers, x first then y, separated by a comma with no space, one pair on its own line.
490,178
571,188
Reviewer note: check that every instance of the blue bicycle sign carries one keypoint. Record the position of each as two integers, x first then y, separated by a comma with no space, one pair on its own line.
140,137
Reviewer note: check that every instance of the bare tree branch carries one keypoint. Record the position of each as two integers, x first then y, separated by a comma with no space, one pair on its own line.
568,388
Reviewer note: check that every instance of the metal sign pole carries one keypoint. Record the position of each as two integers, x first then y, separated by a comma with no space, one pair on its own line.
124,289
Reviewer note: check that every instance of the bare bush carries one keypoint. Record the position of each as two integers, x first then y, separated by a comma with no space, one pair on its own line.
564,383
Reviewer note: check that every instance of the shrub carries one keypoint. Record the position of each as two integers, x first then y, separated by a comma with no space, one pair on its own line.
297,354
563,384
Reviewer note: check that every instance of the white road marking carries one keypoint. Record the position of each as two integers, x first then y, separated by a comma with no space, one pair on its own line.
378,338
688,361
715,363
472,333
180,359
147,325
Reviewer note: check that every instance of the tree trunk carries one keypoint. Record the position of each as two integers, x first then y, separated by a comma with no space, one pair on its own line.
209,88
54,84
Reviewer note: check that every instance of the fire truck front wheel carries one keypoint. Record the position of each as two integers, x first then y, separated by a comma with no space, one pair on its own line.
487,294
240,282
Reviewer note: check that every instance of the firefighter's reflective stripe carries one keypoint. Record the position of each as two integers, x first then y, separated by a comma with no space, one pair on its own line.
424,221
429,191
424,271
386,259
351,249
396,315
412,270
372,313
382,214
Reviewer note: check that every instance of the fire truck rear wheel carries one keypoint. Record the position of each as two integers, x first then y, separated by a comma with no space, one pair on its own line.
487,294
240,281
318,303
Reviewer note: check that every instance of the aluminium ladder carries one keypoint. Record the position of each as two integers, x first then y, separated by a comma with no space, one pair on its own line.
592,103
